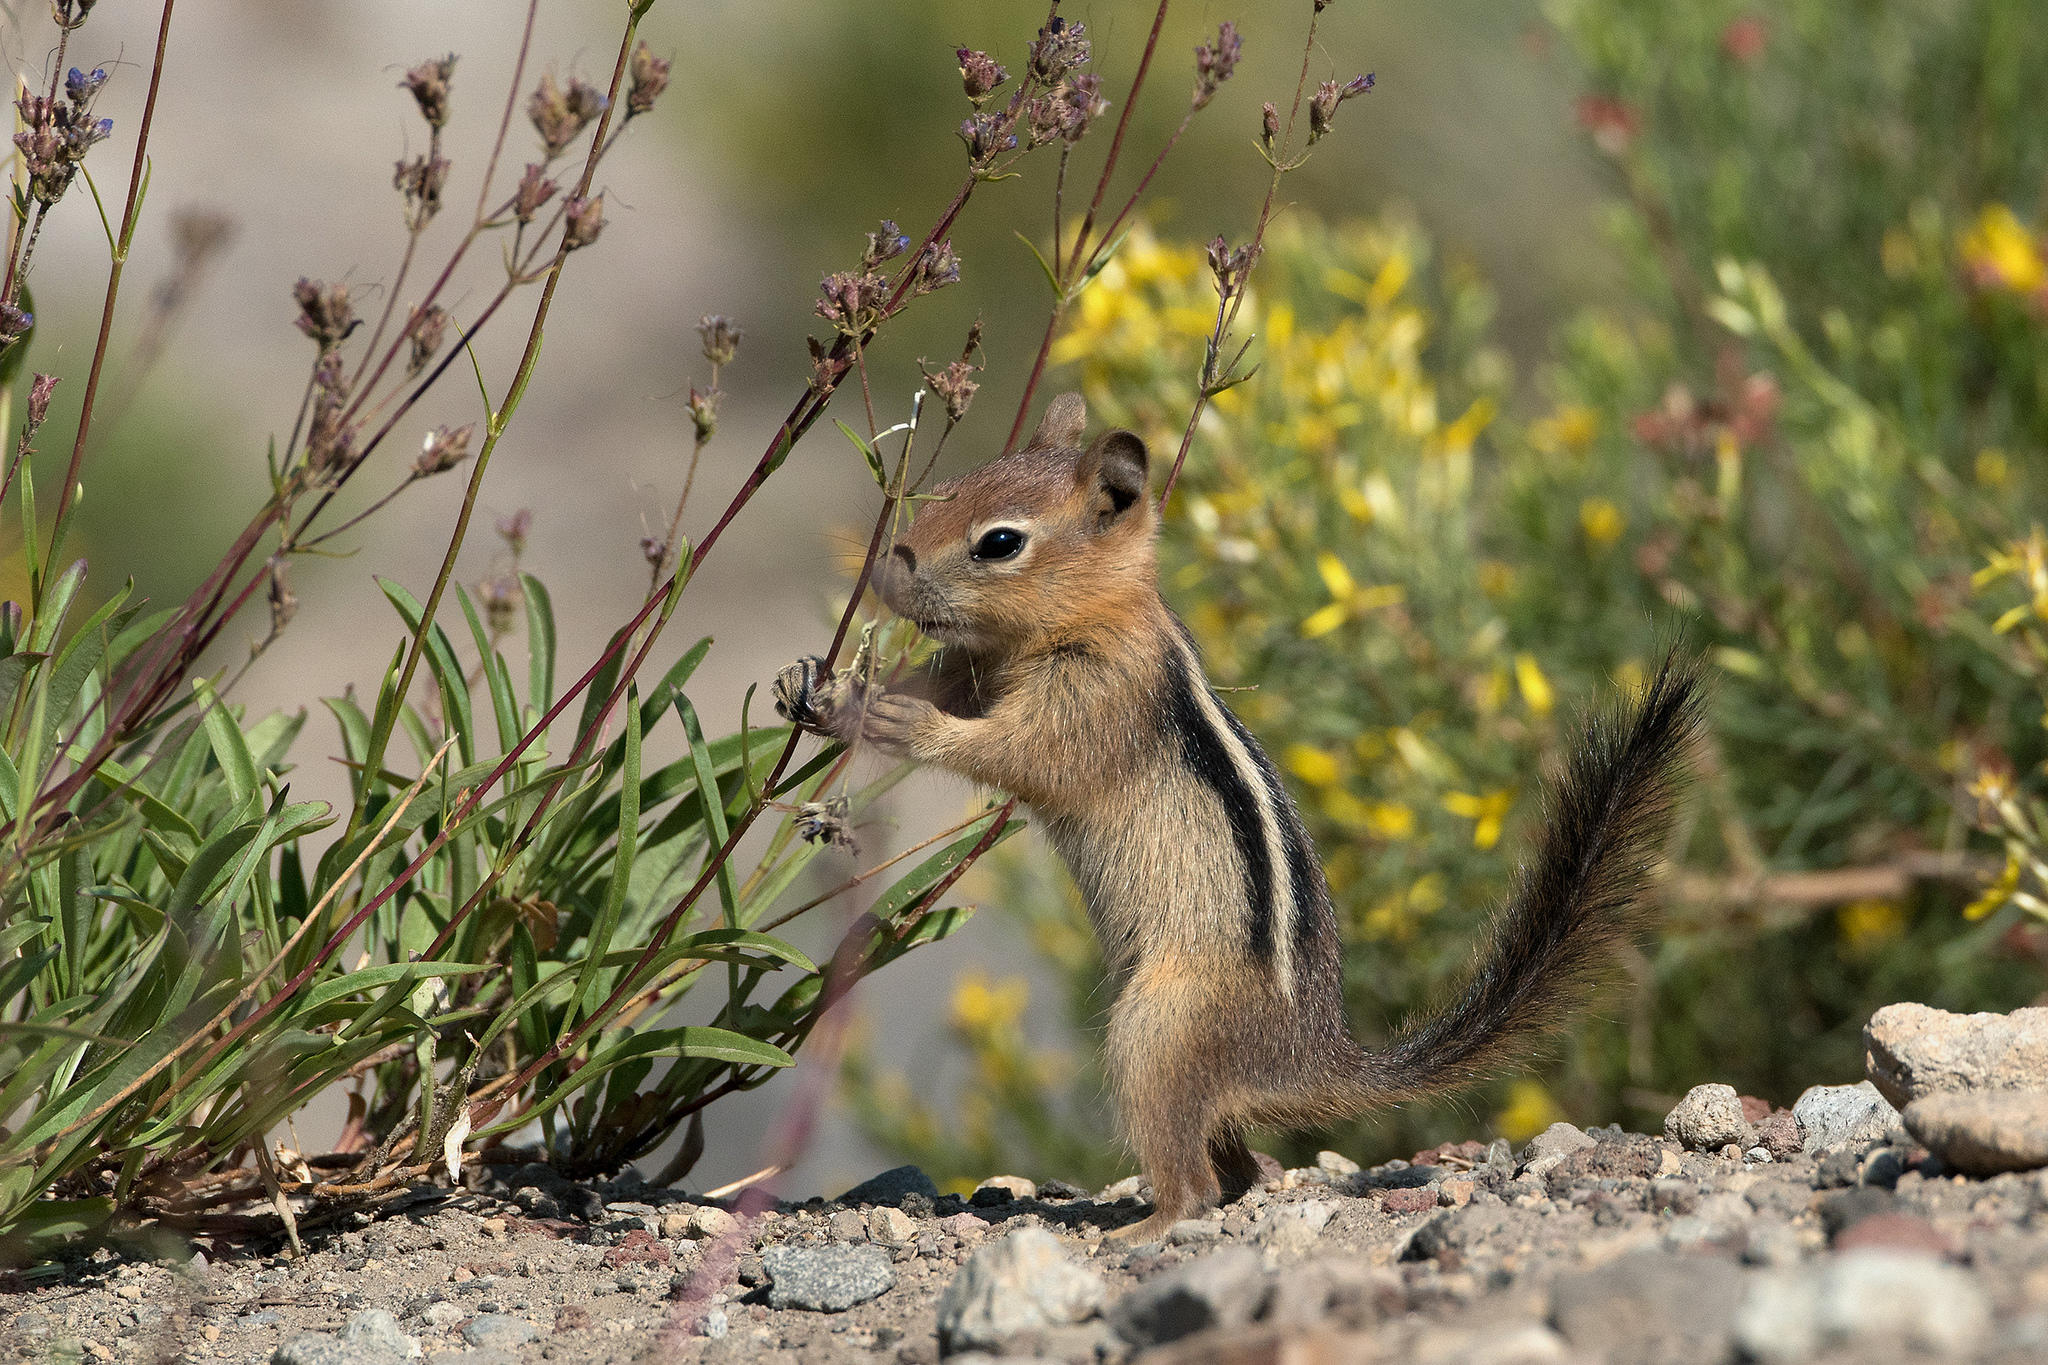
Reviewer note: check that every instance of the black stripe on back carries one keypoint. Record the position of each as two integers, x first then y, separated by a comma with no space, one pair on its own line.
1303,872
1206,756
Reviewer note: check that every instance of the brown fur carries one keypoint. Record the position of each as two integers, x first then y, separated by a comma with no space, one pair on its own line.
1066,681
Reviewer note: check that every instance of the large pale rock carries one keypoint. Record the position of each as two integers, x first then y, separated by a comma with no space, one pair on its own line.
1910,1051
1835,1116
1984,1132
1010,1288
1708,1119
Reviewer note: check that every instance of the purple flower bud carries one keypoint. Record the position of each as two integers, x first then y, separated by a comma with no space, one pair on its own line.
979,74
1060,48
1213,65
586,220
534,191
1322,107
720,336
39,390
650,78
429,83
442,450
80,87
325,313
1269,125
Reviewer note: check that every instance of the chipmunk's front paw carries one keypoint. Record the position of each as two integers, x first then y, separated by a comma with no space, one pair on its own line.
809,697
892,719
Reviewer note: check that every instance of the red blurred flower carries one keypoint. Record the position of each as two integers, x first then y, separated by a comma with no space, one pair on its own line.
1744,39
1612,123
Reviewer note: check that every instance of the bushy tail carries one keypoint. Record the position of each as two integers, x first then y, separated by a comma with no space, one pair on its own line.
1576,900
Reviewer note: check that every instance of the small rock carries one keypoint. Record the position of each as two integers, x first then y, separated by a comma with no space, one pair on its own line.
1192,1230
848,1225
499,1332
441,1316
373,1329
1062,1190
990,1197
1295,1227
709,1221
1224,1289
1456,1192
1649,1305
826,1279
316,1348
1023,1283
1835,1116
1336,1163
1879,1300
676,1224
1778,1133
886,1224
965,1226
1985,1132
1130,1187
1708,1119
1548,1149
891,1186
1418,1200
1015,1185
1912,1051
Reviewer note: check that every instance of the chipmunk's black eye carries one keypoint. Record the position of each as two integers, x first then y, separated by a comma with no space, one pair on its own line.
1001,543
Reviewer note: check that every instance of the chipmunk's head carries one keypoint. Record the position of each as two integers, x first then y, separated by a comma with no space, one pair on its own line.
1032,546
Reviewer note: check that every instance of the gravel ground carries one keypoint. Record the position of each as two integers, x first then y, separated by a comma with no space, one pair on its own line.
1827,1233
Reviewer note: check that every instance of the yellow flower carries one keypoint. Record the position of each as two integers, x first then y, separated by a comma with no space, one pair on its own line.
1390,820
1999,251
1994,470
1866,923
982,1006
1602,521
1457,438
1347,598
1496,579
1529,1111
1488,812
1312,765
1999,892
1535,687
1571,428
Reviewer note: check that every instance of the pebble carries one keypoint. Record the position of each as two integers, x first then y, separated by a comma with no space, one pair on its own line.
1224,1289
499,1331
1879,1300
890,1187
1985,1132
1021,1284
826,1279
709,1221
1295,1227
443,1315
1192,1230
1016,1186
373,1329
1649,1305
1416,1200
1708,1119
1130,1187
1548,1149
1912,1051
1834,1116
1778,1134
848,1225
1336,1163
886,1224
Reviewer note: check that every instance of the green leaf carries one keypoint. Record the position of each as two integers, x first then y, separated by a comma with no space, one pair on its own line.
587,988
868,453
224,733
441,660
715,1044
540,644
713,806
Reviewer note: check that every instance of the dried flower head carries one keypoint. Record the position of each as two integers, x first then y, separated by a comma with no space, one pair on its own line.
720,336
1231,266
653,549
39,390
429,85
650,78
937,266
425,329
15,323
979,74
502,596
513,530
1322,107
1269,125
703,413
420,180
1059,48
535,190
325,313
443,449
884,245
987,136
1213,65
956,386
852,301
559,114
825,822
585,221
71,13
56,134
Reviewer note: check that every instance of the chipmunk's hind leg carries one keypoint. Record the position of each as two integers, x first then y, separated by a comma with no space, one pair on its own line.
1160,1051
1237,1170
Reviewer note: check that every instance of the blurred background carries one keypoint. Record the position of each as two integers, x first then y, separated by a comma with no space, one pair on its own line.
1592,322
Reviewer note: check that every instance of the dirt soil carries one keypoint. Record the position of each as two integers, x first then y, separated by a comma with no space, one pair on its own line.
1602,1246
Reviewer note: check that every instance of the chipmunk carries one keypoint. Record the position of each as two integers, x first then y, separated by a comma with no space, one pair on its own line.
1064,680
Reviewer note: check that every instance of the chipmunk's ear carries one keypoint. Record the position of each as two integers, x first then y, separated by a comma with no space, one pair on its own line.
1066,417
1114,470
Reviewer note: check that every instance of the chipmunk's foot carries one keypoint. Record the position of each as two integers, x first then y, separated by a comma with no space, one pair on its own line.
1153,1229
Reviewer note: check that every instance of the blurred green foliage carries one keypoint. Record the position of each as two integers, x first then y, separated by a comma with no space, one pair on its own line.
1809,441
